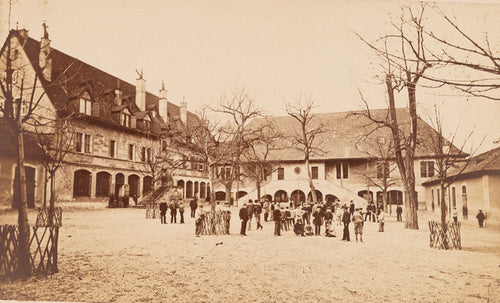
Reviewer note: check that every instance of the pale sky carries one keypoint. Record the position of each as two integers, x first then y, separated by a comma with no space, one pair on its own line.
275,50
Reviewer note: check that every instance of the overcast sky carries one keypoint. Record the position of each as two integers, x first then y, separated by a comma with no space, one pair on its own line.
275,50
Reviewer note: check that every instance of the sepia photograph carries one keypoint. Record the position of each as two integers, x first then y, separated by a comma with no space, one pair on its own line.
249,151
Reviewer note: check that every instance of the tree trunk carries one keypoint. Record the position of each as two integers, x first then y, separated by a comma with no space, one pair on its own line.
52,200
311,184
444,226
411,203
24,265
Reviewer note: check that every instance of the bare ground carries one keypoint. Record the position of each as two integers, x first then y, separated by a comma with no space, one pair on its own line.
116,255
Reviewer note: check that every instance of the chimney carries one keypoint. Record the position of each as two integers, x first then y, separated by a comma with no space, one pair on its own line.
140,92
183,111
162,103
24,34
118,93
44,60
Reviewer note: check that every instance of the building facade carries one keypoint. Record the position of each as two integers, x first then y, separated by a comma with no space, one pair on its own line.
125,141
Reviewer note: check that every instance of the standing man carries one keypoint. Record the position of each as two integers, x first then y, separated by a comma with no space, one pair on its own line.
455,215
480,218
351,208
181,211
277,221
163,212
194,205
173,212
317,221
346,219
250,213
243,219
381,221
358,224
399,210
257,210
266,210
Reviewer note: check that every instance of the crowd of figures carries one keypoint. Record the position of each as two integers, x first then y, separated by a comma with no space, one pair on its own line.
301,218
176,208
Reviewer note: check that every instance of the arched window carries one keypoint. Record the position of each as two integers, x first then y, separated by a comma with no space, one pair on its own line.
280,196
465,210
103,180
82,183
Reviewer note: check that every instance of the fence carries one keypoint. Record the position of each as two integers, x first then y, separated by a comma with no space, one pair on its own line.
216,223
441,240
42,219
43,250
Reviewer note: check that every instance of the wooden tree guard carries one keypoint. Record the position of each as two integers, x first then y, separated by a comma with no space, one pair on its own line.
43,250
42,219
152,211
441,240
216,223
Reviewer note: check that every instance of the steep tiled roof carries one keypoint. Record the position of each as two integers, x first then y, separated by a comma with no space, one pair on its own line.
346,135
485,163
71,76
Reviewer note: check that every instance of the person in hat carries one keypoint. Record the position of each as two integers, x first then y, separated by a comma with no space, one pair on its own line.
480,218
346,219
358,224
244,219
277,221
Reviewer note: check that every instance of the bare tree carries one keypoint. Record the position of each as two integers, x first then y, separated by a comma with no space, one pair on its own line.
254,160
55,140
447,158
20,102
304,139
404,55
379,170
240,109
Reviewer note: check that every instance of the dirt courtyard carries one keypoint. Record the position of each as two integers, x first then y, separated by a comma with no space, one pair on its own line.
116,255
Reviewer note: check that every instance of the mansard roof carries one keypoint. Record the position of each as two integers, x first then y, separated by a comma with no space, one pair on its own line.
348,135
71,76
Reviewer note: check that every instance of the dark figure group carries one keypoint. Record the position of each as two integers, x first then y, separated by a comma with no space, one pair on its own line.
174,209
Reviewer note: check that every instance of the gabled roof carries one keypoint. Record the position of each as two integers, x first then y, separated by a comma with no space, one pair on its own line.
71,76
482,164
348,135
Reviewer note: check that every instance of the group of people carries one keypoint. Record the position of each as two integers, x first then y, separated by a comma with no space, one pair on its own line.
299,217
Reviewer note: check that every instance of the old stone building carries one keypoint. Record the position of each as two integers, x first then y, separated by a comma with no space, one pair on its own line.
119,131
355,159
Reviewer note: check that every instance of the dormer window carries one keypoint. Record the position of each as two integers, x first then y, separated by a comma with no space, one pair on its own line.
85,106
125,117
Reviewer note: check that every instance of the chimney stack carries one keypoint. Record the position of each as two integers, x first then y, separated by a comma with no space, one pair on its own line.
118,93
140,92
183,111
162,103
44,60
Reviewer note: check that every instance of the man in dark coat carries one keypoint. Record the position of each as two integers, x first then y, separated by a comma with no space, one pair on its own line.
243,219
399,210
163,212
480,218
346,219
194,205
173,212
277,221
317,221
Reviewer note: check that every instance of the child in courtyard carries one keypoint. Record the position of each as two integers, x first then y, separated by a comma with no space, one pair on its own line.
358,224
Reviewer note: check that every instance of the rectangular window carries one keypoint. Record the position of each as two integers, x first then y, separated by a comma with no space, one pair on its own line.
87,144
143,154
78,142
342,170
131,151
426,169
149,155
314,172
281,173
125,119
453,197
382,170
83,143
112,148
85,106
